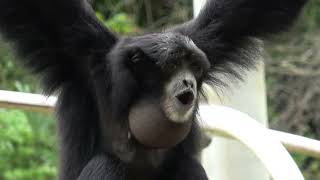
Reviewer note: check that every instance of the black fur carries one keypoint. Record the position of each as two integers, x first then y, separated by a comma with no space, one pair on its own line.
55,38
226,30
98,76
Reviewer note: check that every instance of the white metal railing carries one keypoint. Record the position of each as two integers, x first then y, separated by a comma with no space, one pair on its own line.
40,103
267,148
267,145
26,101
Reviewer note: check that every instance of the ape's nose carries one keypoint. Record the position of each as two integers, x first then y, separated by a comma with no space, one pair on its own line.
188,83
185,98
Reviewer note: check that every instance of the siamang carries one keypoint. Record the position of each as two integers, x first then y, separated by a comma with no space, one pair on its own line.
98,75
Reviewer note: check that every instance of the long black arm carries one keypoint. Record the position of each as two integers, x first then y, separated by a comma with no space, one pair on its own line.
225,29
55,38
63,41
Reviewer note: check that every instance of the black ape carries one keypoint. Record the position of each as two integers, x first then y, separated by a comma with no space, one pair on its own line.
98,77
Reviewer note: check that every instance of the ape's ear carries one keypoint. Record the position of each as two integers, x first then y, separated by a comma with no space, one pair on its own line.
59,39
225,28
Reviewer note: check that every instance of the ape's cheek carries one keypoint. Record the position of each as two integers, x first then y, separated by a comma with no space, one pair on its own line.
150,126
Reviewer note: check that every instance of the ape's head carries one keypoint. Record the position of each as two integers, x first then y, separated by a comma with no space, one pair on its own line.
167,68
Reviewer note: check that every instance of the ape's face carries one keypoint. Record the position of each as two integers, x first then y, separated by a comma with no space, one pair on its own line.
168,69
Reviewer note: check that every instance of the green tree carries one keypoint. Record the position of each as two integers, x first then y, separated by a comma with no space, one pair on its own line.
27,148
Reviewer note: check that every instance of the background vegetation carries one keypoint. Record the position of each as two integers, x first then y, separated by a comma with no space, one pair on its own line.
28,145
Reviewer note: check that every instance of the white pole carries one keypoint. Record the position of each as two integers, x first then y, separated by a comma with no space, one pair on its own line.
227,159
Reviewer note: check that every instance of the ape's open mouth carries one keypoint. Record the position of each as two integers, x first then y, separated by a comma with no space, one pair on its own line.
186,98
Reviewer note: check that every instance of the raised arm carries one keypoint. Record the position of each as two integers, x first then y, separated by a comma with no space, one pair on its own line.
60,39
225,29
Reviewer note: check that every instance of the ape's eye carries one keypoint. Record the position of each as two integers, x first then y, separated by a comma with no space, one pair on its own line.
135,58
198,70
174,65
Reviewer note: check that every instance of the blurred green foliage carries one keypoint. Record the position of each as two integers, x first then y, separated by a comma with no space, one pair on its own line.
28,141
120,23
27,146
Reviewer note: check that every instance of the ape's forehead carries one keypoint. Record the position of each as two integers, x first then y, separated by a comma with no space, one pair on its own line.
166,43
174,41
168,46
